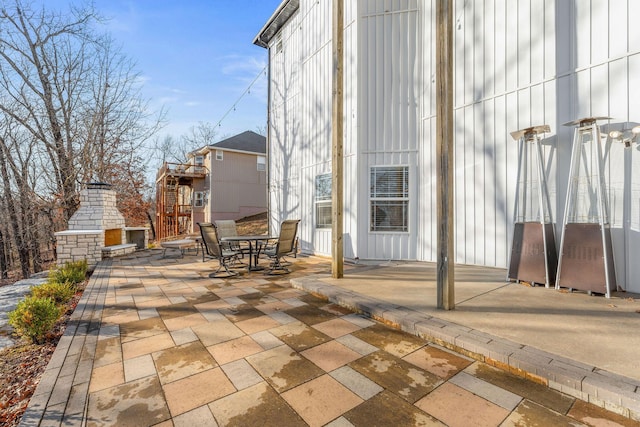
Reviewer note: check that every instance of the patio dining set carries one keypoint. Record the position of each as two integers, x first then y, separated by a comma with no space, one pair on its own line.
220,241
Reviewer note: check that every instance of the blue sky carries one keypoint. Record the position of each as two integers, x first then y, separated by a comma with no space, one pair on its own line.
196,57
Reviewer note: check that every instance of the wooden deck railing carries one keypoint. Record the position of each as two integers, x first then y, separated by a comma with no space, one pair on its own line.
181,169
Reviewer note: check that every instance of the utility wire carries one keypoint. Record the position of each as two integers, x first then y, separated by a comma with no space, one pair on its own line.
246,91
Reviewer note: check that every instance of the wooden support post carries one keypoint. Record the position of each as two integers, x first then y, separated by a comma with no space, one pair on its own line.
337,160
444,154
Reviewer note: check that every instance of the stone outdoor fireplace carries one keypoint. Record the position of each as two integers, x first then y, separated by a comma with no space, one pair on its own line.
97,229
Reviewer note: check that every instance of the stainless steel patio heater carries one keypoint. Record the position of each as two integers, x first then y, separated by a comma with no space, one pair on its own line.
533,252
586,251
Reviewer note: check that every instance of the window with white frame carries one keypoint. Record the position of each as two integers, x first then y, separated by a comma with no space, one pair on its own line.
219,155
389,198
198,161
323,201
198,199
261,163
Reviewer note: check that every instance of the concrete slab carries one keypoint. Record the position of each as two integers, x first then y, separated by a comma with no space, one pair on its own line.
590,329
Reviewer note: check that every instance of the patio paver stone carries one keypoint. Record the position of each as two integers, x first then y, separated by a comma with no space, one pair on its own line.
157,342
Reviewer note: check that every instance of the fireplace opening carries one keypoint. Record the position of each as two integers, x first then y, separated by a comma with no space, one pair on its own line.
113,237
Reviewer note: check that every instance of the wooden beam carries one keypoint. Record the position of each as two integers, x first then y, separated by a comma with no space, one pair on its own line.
444,154
337,159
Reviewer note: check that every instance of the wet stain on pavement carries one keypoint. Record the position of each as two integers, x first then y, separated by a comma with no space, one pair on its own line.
182,361
336,309
218,331
522,387
283,368
108,351
176,310
437,361
208,297
241,312
257,298
299,336
310,314
313,300
269,288
387,409
402,378
129,404
390,340
142,329
118,310
595,416
258,405
530,414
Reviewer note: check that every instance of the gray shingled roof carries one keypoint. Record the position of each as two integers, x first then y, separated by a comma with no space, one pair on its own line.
245,141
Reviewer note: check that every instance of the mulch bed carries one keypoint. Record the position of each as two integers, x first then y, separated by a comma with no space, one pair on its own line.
22,366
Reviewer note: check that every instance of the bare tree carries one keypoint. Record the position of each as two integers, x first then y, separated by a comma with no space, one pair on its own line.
117,120
261,130
42,69
166,150
15,202
70,112
204,133
172,150
78,96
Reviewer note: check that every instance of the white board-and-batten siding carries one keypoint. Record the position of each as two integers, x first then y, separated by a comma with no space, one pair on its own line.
517,64
300,121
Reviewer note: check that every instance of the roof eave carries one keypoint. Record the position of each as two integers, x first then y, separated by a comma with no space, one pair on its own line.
282,14
235,150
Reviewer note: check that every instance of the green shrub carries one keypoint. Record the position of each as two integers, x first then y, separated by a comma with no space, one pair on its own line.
70,272
60,293
34,317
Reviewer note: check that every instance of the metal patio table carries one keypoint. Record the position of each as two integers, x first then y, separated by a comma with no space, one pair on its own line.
255,246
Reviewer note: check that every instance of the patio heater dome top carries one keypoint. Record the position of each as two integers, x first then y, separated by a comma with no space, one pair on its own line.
529,132
585,121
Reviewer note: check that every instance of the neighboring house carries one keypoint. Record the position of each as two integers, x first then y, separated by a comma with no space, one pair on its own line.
225,180
517,64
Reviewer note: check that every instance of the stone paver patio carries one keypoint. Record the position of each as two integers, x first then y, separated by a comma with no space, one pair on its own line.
158,342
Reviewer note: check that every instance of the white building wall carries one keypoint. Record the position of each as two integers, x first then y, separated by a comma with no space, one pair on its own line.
285,125
316,116
502,51
427,238
300,134
390,86
527,63
517,64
